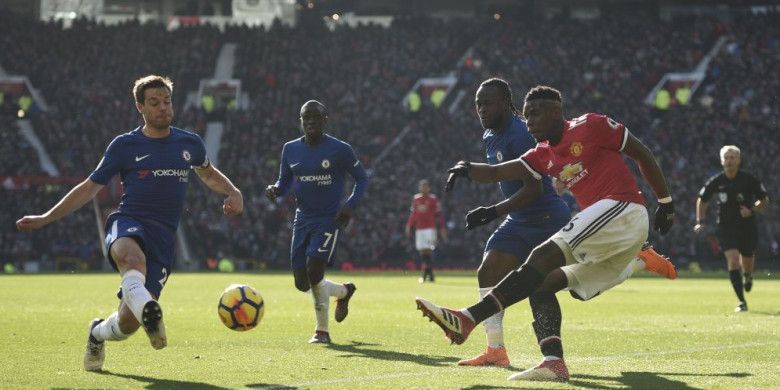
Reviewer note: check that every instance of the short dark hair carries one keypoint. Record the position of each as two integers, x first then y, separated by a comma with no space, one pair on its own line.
505,90
152,81
543,92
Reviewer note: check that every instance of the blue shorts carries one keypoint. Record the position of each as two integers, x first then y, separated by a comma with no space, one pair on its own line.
315,238
520,238
156,241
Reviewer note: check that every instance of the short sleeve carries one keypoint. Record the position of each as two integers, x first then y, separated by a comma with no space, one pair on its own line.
109,165
606,132
349,158
199,157
535,161
705,193
759,189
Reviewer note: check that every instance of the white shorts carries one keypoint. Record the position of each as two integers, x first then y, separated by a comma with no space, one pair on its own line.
425,239
600,244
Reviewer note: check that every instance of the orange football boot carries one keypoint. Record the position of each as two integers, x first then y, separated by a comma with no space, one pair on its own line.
657,263
491,357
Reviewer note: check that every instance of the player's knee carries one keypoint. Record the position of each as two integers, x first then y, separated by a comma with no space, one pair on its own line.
301,280
315,270
302,284
315,274
136,261
546,257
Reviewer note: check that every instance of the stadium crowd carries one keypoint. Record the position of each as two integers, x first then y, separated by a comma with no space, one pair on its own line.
362,74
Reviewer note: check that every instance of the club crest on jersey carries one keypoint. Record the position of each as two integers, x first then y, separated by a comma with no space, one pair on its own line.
132,229
723,197
499,156
185,154
325,163
575,149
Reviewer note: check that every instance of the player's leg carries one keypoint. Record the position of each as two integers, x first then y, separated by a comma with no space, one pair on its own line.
127,257
747,251
301,279
425,262
547,326
495,266
600,254
735,275
521,283
425,242
315,271
748,263
516,286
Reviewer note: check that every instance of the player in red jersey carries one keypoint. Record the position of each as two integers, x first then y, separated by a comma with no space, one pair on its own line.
425,214
595,251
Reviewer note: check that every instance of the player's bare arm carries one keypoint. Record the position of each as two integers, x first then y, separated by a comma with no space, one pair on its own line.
73,200
218,182
758,206
648,165
651,171
701,211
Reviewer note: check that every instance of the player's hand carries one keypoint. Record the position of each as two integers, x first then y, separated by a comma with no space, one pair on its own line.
664,217
271,192
480,216
234,204
343,217
29,223
698,228
460,169
745,212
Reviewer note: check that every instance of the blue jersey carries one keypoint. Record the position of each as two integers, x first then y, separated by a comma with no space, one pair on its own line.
154,172
509,145
320,171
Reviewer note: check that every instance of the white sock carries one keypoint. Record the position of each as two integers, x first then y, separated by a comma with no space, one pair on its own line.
548,358
637,265
109,329
336,289
494,325
134,293
319,293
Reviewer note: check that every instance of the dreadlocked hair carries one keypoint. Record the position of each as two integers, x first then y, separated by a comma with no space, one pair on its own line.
505,90
543,92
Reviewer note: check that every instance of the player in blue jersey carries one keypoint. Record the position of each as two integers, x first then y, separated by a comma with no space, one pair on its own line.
319,162
506,138
154,163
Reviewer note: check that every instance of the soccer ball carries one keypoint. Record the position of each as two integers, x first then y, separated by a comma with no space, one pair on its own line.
241,307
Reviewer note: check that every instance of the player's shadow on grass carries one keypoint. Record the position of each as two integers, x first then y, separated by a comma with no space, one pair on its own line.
643,380
766,313
158,383
359,349
270,386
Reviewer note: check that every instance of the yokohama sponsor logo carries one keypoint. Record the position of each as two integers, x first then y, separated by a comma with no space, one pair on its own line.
171,172
314,178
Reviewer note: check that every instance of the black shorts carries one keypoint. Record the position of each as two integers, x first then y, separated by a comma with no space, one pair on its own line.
741,237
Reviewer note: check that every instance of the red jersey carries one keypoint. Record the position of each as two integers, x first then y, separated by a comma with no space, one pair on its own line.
425,211
588,160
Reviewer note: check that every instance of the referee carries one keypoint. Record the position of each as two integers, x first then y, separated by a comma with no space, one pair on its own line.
740,197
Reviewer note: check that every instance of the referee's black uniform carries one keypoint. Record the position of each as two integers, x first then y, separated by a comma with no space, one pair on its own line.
735,231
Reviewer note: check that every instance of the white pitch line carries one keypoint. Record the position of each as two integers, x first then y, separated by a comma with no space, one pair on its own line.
368,379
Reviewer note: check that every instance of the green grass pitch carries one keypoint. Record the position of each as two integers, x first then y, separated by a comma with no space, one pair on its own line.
646,333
